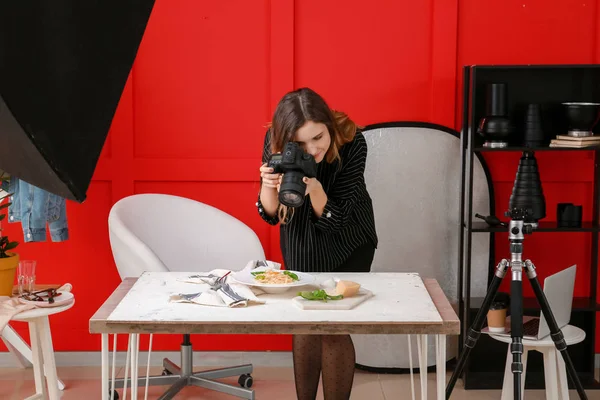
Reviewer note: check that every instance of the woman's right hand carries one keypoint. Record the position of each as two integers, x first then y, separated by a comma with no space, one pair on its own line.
269,179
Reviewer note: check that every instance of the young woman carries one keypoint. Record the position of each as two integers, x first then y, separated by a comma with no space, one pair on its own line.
332,231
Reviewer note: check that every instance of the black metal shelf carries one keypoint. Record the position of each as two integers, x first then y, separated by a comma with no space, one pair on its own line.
550,226
548,85
530,304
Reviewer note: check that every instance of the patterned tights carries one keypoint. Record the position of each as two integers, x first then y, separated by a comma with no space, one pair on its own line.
333,355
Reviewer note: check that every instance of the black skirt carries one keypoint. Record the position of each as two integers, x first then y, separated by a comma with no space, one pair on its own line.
360,259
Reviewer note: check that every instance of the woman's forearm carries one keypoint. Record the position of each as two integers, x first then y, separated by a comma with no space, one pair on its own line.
318,199
269,200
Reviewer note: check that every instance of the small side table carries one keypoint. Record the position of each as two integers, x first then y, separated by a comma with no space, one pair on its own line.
42,350
15,343
555,372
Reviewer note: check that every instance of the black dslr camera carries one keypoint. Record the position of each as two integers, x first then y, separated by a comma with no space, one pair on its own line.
294,164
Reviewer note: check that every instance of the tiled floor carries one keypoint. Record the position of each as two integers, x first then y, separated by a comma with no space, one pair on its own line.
270,383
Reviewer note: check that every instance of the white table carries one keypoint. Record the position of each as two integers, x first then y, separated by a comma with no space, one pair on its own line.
42,350
403,303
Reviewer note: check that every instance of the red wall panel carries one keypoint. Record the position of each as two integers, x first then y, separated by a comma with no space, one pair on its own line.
209,74
200,80
371,59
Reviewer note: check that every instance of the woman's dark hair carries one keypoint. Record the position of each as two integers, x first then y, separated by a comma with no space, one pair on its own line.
293,111
302,105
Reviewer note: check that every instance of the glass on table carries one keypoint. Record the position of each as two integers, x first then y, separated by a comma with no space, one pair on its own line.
26,276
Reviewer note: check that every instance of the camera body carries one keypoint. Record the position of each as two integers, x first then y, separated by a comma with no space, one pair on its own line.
294,164
293,159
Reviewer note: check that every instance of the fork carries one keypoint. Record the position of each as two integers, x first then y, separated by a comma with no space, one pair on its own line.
224,286
203,276
214,285
189,296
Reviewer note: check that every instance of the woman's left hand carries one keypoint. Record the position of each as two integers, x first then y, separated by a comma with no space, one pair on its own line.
312,184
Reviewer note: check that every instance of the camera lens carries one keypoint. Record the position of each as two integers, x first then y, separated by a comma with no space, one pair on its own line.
292,189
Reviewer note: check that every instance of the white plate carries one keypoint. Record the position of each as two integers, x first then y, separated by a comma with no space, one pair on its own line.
64,298
246,278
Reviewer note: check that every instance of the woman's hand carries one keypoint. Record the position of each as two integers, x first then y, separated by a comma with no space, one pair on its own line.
312,185
269,179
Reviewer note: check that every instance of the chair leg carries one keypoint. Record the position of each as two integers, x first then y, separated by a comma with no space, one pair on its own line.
222,387
225,372
563,383
183,376
550,365
174,389
171,367
152,381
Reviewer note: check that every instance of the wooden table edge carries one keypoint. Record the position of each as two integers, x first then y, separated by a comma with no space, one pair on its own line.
113,300
451,323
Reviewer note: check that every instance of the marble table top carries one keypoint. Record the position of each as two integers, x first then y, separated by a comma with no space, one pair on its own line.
402,303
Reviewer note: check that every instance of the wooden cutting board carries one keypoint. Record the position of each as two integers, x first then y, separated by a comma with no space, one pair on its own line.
344,304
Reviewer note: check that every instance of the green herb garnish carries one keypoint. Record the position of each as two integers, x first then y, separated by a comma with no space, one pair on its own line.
319,295
257,273
291,275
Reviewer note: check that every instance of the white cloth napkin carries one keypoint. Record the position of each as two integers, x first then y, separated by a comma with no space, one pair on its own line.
11,306
207,296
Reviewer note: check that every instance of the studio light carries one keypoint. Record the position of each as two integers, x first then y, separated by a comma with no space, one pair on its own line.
527,191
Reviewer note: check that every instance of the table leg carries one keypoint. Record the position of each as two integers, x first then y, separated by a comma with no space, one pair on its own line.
43,324
410,365
135,347
105,366
37,359
422,347
19,348
440,364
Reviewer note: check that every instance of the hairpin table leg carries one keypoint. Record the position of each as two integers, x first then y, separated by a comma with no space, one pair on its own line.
422,347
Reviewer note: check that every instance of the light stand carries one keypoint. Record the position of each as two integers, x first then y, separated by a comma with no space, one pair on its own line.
523,220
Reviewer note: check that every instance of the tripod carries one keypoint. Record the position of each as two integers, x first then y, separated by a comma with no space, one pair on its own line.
516,234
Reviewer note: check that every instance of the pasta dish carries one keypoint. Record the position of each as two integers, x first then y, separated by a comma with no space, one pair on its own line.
272,277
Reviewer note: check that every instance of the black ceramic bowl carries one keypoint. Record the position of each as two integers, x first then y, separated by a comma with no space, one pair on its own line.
582,117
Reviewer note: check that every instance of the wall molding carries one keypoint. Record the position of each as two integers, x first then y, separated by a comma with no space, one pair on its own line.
444,60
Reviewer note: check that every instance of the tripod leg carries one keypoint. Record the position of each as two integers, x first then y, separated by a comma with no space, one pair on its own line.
555,332
475,330
516,328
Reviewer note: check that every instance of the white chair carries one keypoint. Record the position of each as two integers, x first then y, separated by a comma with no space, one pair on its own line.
555,372
159,232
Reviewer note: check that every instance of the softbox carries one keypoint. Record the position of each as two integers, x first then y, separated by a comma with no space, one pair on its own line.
63,67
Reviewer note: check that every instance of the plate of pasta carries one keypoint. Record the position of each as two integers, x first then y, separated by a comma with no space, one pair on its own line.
273,280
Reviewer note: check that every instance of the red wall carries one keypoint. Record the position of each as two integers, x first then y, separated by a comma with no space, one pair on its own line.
208,75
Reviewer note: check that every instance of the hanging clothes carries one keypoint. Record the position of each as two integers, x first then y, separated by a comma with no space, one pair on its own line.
34,208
